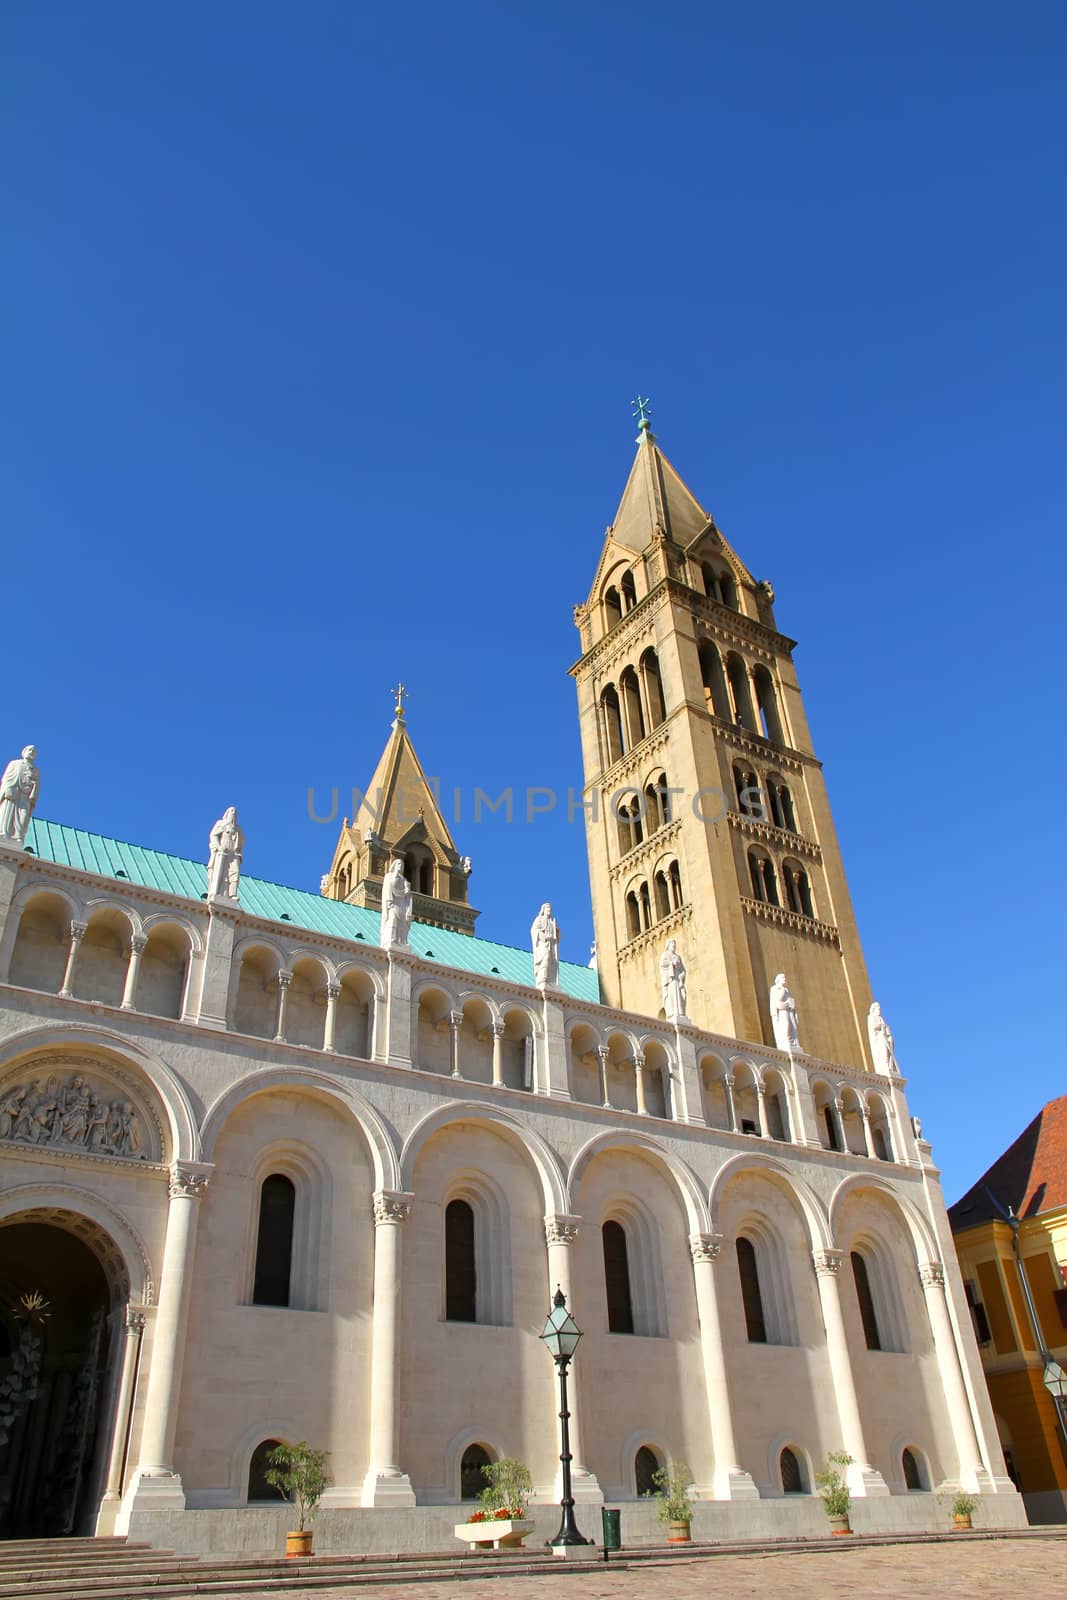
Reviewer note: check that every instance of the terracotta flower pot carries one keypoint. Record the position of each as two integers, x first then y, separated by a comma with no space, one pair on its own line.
298,1544
962,1519
839,1527
678,1533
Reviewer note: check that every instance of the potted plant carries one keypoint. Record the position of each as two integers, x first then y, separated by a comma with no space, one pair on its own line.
836,1496
673,1483
502,1522
301,1474
962,1507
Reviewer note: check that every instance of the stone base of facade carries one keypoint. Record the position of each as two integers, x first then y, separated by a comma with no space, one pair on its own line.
386,1489
260,1530
148,1499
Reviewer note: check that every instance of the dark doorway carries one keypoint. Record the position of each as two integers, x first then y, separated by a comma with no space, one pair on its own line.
53,1365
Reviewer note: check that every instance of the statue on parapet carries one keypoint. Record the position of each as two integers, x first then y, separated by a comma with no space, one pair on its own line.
784,1017
880,1036
544,938
672,982
396,905
226,845
19,788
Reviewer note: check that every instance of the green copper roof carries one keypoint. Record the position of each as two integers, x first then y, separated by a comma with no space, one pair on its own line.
151,869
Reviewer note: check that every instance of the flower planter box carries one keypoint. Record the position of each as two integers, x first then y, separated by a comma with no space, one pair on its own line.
962,1519
299,1544
494,1534
839,1526
678,1532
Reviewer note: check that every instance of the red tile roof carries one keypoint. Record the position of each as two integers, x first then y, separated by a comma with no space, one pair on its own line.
1030,1177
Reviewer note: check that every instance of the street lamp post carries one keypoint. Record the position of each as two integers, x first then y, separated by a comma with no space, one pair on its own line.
561,1335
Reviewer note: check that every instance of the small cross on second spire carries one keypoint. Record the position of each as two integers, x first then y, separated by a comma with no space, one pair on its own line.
399,692
642,410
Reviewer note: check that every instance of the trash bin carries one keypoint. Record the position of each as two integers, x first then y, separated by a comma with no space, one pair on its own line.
612,1521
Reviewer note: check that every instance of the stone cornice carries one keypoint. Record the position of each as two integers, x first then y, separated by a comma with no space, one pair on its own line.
755,744
652,845
781,918
663,929
770,834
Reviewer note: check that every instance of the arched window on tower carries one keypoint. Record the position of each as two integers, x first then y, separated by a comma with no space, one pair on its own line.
663,901
764,877
646,906
617,1278
274,1241
743,714
628,814
629,592
782,812
712,676
749,793
461,1281
653,686
770,724
751,1297
418,868
868,1316
711,581
632,714
674,875
611,715
653,816
728,589
612,608
633,915
798,889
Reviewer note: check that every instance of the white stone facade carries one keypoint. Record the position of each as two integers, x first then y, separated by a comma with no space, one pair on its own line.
384,1086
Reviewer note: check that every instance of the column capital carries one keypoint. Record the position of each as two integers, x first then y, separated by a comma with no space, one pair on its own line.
285,978
333,990
638,1061
78,930
728,1081
561,1229
138,942
188,1182
391,1205
827,1262
455,1020
496,1028
931,1275
705,1246
136,1317
603,1053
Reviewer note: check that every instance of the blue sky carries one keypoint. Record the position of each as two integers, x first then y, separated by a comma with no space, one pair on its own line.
322,328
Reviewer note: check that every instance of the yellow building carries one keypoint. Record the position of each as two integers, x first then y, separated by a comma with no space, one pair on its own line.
1011,1239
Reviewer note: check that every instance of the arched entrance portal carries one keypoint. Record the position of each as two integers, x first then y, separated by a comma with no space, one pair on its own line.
61,1278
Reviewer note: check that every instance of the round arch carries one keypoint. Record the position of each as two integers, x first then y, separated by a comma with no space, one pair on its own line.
177,1107
53,1202
107,902
922,1238
39,886
683,1177
383,1152
171,919
819,1230
543,1157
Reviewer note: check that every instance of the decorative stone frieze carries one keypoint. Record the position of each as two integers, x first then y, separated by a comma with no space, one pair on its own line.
769,834
825,932
73,1110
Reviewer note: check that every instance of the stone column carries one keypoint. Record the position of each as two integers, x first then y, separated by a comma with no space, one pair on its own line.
972,1471
133,967
839,1122
385,1483
329,1033
560,1234
77,934
639,1084
156,1481
865,1117
731,1109
729,1481
497,1029
862,1477
135,1323
284,980
761,1111
455,1023
604,1057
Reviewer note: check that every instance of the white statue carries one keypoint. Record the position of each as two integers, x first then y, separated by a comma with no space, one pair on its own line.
672,982
784,1017
224,863
544,936
19,788
880,1035
592,955
396,904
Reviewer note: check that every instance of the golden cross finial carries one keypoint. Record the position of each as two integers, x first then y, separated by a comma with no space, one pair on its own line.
400,691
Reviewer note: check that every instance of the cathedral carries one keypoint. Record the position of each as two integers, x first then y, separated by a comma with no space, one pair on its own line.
278,1165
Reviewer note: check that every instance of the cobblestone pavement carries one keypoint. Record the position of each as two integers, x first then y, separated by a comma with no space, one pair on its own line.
1034,1568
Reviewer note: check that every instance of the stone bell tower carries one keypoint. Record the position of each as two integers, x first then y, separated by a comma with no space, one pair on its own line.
707,819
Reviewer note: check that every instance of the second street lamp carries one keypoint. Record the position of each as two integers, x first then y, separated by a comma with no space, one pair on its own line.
561,1334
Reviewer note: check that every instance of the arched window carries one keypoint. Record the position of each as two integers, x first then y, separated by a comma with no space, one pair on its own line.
653,685
716,698
629,592
767,706
471,1481
711,581
663,793
274,1241
913,1477
764,877
628,815
461,1282
749,794
633,715
612,611
646,1465
791,1471
751,1298
782,812
881,1148
633,915
675,874
258,1487
646,907
737,673
728,589
866,1302
418,869
617,1278
614,747
798,889
654,817
663,903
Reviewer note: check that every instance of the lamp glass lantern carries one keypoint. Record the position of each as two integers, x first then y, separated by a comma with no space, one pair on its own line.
1055,1379
561,1332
